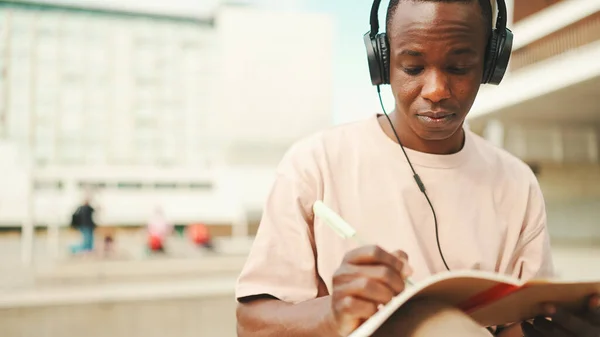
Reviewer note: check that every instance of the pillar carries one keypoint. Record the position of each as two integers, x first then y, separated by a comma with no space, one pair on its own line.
494,133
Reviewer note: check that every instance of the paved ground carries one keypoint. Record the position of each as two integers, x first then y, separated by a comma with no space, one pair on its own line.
132,264
157,290
186,293
216,275
129,245
190,299
183,309
53,264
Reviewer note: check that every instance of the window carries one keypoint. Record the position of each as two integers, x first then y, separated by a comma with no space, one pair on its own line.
95,154
201,186
70,150
129,185
44,150
165,185
48,185
94,185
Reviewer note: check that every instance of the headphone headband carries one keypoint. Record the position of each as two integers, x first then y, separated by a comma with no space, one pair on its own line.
497,55
374,18
502,15
500,21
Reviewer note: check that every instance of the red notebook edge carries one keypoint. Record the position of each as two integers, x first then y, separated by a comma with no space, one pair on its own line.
488,296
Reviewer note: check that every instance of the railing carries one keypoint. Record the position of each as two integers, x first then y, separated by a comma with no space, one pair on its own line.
525,9
569,38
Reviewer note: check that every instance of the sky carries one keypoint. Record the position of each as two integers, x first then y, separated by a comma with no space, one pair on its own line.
354,96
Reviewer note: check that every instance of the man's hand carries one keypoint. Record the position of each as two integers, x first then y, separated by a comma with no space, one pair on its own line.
368,277
568,324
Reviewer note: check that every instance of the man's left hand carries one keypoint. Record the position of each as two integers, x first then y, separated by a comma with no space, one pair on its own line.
563,323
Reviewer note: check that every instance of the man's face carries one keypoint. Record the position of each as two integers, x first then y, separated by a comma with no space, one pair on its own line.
437,53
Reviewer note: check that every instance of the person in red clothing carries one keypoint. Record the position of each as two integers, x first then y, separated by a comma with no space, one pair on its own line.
200,235
158,230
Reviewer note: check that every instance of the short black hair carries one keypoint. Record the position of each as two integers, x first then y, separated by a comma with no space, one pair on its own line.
486,11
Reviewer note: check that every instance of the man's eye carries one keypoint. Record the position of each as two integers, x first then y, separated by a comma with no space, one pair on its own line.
412,70
459,70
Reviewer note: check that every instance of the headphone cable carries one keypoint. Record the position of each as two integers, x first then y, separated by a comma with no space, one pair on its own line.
417,179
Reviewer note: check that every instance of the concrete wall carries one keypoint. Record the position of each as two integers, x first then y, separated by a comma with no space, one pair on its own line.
566,158
572,194
147,306
193,317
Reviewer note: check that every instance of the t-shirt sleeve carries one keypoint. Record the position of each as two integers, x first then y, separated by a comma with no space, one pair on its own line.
281,262
533,257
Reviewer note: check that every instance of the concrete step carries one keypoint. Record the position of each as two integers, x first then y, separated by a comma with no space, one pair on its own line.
190,308
118,292
101,271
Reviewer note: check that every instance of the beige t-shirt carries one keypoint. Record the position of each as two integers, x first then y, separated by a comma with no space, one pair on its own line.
490,211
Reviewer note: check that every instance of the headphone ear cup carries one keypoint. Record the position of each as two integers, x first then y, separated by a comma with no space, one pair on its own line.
498,56
373,59
490,57
384,56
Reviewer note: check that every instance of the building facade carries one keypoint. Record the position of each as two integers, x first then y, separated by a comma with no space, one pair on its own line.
85,87
148,109
546,111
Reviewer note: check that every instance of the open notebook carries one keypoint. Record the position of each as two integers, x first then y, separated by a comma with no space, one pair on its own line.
490,299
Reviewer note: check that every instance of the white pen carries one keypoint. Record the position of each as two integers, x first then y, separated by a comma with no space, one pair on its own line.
339,225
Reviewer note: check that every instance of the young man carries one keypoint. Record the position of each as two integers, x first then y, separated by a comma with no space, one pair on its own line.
83,220
301,279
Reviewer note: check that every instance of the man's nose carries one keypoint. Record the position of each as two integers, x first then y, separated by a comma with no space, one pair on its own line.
436,87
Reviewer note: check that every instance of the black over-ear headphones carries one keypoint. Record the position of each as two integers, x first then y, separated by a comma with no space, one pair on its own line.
497,55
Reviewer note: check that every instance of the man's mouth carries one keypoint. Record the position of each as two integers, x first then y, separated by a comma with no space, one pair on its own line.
436,117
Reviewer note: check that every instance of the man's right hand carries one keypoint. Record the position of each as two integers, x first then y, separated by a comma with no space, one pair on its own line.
369,276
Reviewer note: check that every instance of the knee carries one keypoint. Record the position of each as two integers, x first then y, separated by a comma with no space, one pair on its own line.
427,307
425,317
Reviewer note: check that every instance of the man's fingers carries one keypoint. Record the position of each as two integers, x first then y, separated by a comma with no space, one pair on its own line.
400,254
594,302
367,289
593,312
570,322
549,329
383,274
530,331
351,312
375,255
371,255
356,308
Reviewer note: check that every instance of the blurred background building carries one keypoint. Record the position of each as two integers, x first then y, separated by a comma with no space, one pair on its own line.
143,107
189,105
546,110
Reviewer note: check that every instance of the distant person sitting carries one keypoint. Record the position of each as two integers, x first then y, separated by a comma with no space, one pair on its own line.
83,220
200,236
109,241
158,230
